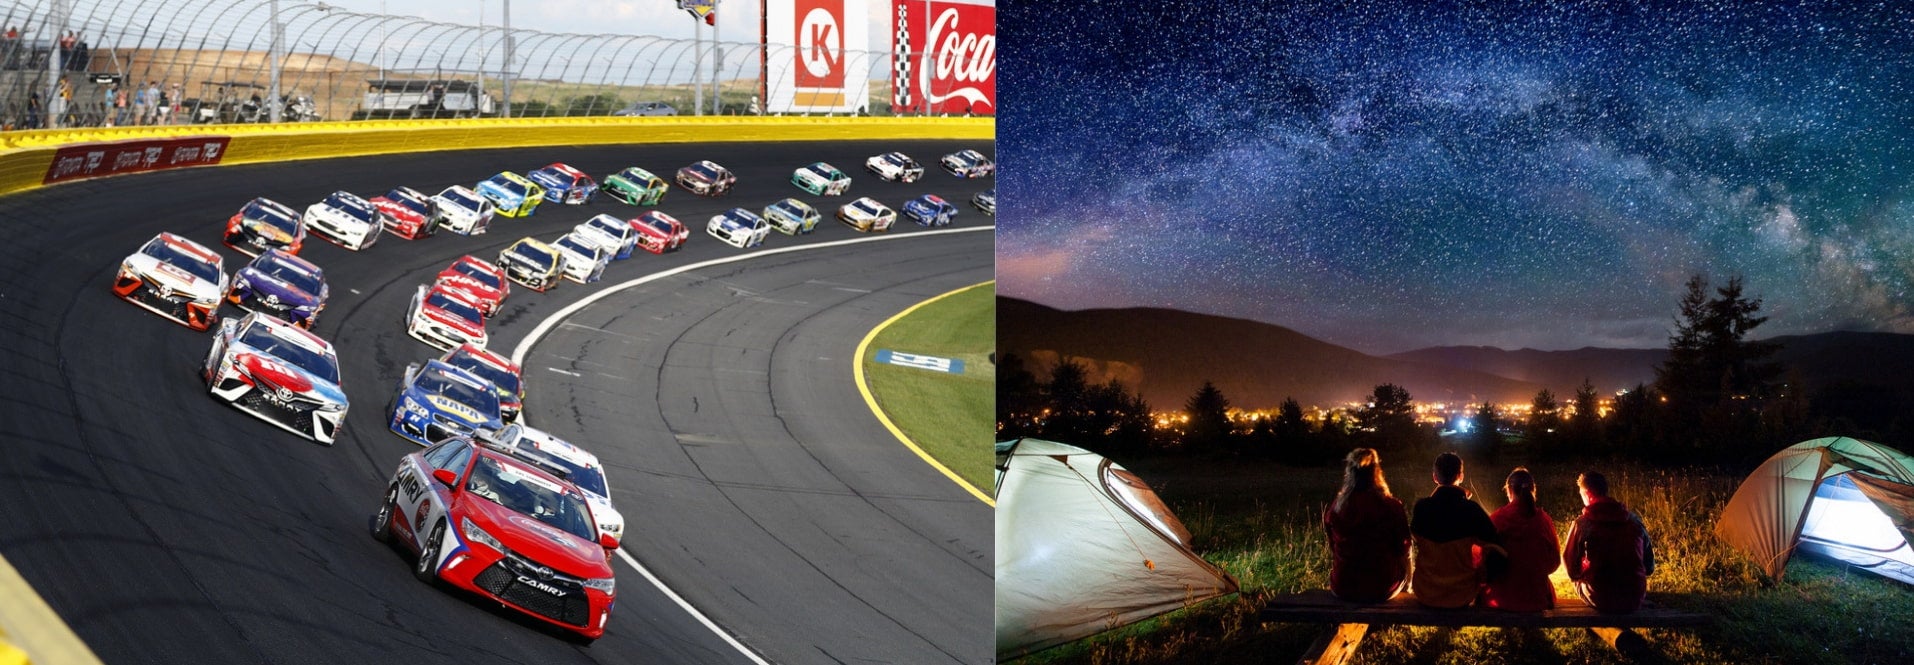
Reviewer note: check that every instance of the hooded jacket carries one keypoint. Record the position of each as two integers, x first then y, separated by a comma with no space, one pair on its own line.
1533,554
1448,527
1609,551
1369,546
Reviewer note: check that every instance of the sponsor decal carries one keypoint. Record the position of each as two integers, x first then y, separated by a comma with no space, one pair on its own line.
541,586
947,60
94,160
814,57
932,363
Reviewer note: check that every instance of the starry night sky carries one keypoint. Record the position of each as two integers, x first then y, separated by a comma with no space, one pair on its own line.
1402,175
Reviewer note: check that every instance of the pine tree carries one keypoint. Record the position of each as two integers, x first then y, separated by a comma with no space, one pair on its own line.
1209,428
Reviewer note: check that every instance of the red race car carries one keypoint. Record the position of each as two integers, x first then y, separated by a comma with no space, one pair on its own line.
659,232
496,525
483,282
443,317
408,214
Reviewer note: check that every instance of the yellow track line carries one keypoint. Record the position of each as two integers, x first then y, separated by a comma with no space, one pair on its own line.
37,633
857,371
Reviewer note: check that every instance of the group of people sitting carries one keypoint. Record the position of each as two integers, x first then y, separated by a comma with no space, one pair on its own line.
1464,556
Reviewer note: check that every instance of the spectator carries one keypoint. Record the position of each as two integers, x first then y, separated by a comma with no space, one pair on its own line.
1368,533
57,108
1449,529
33,110
1528,535
12,32
142,104
1609,556
118,97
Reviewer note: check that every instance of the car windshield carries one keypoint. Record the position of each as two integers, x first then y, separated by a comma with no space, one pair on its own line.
350,205
636,175
296,276
823,171
866,207
171,256
611,226
503,378
577,246
412,203
897,159
434,381
478,274
588,478
788,208
532,496
261,338
270,215
703,172
533,254
452,305
508,185
460,198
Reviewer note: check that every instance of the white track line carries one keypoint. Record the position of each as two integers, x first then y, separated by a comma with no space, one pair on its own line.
525,346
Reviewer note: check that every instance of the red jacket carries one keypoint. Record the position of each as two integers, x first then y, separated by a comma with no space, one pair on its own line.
1608,549
1533,554
1369,542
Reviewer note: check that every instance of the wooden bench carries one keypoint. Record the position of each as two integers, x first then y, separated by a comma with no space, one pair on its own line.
1352,621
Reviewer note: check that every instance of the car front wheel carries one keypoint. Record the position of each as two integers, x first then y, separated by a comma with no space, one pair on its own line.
382,522
426,569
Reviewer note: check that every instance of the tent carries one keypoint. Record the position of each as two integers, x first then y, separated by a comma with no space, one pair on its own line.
1841,498
1084,546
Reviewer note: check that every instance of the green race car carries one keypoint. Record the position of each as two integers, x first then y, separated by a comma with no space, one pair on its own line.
821,179
635,186
791,217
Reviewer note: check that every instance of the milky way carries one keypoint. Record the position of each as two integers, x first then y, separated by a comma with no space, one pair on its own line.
1519,175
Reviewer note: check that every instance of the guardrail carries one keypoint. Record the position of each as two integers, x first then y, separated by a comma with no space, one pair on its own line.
26,158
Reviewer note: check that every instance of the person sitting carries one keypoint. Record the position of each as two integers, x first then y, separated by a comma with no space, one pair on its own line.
1449,528
1528,535
1368,533
1609,555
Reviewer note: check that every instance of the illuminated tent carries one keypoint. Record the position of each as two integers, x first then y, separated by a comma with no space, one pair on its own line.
1845,499
1084,546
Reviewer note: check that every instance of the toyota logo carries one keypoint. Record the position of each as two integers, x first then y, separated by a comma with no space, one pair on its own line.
284,394
272,299
544,572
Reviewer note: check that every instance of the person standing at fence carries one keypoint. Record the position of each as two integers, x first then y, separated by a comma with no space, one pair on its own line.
57,107
33,110
1609,556
141,107
1528,534
1450,530
118,99
1368,533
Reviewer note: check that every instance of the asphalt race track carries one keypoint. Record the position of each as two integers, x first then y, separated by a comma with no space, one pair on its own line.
165,526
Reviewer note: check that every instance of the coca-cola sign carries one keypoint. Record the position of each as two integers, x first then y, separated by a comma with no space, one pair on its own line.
93,160
944,56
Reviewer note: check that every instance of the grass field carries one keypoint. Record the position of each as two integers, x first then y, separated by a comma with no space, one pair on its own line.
1262,523
950,416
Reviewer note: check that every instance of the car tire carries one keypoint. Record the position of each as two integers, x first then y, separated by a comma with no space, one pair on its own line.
382,520
424,567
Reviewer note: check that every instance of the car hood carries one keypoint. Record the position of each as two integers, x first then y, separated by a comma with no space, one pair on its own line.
173,278
441,404
535,540
447,318
494,191
265,285
272,374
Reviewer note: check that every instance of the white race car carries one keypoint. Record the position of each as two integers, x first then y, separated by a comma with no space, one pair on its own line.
279,373
345,220
571,463
176,278
463,211
967,164
444,316
738,228
610,232
584,258
895,167
866,214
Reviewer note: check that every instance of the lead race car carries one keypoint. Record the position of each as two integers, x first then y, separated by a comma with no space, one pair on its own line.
278,373
821,179
437,401
264,224
282,285
738,228
176,278
462,211
345,220
489,523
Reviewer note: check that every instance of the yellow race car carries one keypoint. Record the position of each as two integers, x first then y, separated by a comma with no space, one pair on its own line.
511,194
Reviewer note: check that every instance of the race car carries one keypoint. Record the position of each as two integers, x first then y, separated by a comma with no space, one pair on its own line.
491,524
659,232
532,263
895,167
706,178
584,258
437,401
930,210
986,201
495,369
482,282
264,224
791,216
278,373
613,233
282,285
445,317
564,184
574,464
821,179
176,278
511,194
636,186
462,211
866,214
738,228
408,214
345,220
967,164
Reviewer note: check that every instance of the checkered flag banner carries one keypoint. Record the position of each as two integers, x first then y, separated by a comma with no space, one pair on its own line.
901,60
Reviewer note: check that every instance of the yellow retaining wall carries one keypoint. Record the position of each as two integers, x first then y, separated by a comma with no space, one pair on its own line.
25,156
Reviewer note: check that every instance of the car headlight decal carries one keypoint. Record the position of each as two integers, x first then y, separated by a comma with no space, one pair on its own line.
475,534
605,584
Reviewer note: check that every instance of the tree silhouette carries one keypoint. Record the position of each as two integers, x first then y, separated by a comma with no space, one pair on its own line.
1585,426
1019,399
1391,416
1209,428
1483,427
1715,378
1545,420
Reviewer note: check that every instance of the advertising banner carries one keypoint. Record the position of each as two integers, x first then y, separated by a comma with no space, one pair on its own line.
944,56
815,56
93,160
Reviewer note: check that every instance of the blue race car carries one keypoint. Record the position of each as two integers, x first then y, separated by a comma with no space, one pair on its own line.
930,210
282,285
564,184
511,194
438,401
